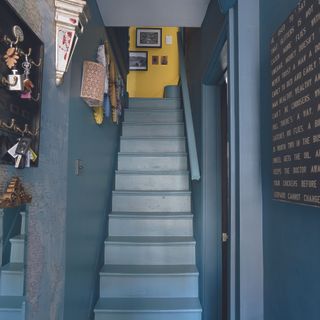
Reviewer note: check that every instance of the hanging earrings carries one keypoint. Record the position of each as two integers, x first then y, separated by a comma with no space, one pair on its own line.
16,81
12,55
11,58
27,83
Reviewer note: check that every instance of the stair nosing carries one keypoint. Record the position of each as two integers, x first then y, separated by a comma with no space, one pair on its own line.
153,154
13,268
151,193
154,172
153,138
19,237
6,303
151,270
119,214
150,98
148,123
159,304
142,240
178,106
154,109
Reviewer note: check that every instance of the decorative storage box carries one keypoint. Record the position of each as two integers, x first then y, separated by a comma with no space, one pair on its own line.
92,88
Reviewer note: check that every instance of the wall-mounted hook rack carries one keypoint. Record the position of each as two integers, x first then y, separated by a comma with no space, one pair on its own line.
5,82
37,98
20,52
13,126
21,65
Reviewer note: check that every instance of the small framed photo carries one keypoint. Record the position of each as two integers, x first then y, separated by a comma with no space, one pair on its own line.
155,60
138,60
164,60
149,38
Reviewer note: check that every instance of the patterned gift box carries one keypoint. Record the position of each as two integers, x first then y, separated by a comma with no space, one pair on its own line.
92,88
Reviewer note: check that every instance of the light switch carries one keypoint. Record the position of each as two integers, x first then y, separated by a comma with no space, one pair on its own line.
168,39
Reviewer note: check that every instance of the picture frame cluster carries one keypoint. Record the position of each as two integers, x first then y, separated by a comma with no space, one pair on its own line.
150,38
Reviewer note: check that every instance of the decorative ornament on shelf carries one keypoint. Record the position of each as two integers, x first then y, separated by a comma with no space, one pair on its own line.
14,195
71,17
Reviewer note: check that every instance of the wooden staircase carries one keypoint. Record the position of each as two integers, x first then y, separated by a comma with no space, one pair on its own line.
149,271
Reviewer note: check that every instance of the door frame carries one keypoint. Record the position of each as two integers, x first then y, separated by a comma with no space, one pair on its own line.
241,30
212,181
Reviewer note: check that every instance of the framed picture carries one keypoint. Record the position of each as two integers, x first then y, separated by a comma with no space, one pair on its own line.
138,60
155,59
164,60
149,38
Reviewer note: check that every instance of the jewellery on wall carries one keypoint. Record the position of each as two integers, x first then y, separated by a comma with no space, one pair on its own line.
11,57
27,83
15,81
21,79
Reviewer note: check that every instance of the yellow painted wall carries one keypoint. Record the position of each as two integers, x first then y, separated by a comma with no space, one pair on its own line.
150,84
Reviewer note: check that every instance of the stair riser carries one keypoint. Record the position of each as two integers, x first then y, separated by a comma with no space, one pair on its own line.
163,130
149,286
12,284
10,315
150,145
152,182
156,254
154,103
150,227
17,251
153,116
148,315
152,163
151,203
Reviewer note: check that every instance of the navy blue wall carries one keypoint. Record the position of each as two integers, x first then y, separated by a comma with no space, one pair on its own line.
88,195
119,39
47,183
199,44
291,232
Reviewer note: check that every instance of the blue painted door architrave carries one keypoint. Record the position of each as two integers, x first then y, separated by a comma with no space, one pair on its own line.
225,5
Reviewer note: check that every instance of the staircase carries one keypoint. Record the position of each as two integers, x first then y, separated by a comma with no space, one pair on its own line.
149,271
12,277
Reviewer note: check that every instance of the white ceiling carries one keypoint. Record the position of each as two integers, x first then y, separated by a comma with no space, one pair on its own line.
180,13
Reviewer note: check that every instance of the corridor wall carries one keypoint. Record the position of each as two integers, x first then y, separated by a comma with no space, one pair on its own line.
47,183
68,213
